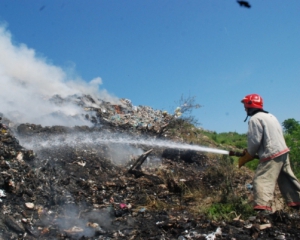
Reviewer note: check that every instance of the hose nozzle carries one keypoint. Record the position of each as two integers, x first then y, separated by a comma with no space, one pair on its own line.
236,154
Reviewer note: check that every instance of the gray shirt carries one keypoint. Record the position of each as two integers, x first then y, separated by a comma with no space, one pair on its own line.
265,137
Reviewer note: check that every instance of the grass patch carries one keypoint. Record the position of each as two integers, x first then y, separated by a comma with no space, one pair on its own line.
229,210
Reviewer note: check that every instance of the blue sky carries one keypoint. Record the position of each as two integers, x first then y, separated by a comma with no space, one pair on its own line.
153,52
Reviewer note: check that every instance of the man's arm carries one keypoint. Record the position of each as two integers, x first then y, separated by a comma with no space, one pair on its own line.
255,135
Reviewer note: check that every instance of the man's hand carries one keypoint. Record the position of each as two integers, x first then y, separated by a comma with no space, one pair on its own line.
244,159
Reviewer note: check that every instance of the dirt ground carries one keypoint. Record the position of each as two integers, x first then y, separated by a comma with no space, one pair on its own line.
63,183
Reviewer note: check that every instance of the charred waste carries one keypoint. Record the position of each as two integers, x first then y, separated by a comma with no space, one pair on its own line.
106,180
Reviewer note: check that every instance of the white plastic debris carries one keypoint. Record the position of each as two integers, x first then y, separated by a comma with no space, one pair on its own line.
20,156
29,205
82,163
212,236
2,194
248,225
264,226
193,235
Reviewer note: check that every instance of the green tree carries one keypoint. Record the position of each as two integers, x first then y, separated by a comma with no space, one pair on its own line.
292,138
290,125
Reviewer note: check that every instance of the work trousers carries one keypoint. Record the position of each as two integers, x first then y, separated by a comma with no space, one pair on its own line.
264,183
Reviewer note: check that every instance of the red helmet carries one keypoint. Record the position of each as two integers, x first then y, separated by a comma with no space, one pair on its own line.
253,101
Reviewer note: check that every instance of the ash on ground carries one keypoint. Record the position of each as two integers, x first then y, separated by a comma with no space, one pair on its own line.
63,183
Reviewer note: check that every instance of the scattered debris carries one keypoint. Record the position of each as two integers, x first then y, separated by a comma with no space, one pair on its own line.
55,190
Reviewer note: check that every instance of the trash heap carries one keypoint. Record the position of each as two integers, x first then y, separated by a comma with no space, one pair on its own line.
138,117
122,114
9,145
67,192
55,190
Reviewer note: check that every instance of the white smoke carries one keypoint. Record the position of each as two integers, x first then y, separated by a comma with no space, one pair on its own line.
28,81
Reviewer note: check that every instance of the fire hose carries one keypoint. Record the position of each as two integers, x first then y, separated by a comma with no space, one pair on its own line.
244,157
239,154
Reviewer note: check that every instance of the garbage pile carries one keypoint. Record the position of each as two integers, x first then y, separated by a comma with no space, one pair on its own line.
122,114
10,147
139,117
57,189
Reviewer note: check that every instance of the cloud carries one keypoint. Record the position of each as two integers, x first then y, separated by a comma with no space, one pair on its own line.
28,81
96,81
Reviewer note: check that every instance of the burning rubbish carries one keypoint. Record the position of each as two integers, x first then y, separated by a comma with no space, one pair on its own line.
63,182
74,166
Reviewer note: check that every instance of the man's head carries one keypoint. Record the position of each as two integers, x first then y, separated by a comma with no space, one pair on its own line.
253,101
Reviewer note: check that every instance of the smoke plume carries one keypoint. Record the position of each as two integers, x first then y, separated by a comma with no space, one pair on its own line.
29,81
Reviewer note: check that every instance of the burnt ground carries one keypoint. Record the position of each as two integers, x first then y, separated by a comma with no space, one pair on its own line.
62,183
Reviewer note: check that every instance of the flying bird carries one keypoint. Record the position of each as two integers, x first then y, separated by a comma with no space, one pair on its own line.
244,4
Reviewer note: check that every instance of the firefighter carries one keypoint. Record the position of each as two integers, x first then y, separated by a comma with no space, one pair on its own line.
265,138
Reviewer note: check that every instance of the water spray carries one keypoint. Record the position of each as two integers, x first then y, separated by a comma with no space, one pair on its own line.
99,138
